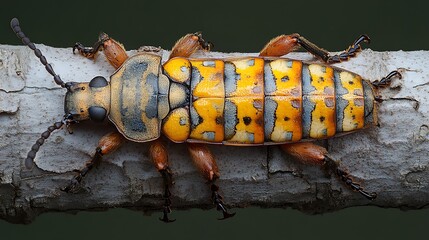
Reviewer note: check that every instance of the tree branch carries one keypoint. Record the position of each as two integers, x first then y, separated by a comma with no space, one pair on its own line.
391,160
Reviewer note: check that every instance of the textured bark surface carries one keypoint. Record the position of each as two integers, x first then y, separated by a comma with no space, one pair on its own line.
391,160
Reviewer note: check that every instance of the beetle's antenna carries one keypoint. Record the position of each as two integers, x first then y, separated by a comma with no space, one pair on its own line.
14,24
32,153
67,120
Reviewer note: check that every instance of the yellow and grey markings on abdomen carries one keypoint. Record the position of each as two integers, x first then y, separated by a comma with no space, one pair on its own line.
318,96
207,100
261,101
350,101
333,101
283,100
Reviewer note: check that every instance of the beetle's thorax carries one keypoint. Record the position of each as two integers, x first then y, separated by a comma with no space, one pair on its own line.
83,98
139,100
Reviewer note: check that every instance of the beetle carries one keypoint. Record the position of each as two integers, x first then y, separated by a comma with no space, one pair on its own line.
247,101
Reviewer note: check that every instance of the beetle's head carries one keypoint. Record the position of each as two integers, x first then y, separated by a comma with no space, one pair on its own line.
88,100
83,100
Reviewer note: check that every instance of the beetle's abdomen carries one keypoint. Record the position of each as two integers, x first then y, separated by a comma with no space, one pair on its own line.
262,101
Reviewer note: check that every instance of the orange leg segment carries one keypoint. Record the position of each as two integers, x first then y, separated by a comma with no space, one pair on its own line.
189,44
206,163
306,152
107,144
114,51
280,46
159,156
309,153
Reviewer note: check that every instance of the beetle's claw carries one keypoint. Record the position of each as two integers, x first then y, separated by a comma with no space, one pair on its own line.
364,38
77,46
165,218
369,196
225,212
71,187
74,184
206,45
220,205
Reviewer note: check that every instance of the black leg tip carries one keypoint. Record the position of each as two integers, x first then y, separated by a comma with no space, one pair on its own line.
394,73
370,196
167,220
72,187
366,38
67,189
227,215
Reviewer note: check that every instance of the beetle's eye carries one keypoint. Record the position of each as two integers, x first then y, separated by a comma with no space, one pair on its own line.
98,82
97,114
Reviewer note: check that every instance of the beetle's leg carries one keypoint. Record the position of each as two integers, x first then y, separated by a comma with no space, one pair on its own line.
107,144
88,52
311,153
333,166
159,155
284,44
206,163
114,51
189,44
385,81
325,56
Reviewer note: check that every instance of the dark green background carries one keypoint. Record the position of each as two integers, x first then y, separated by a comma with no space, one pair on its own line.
243,26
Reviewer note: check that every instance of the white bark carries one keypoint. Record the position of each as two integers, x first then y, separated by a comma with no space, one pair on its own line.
391,160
